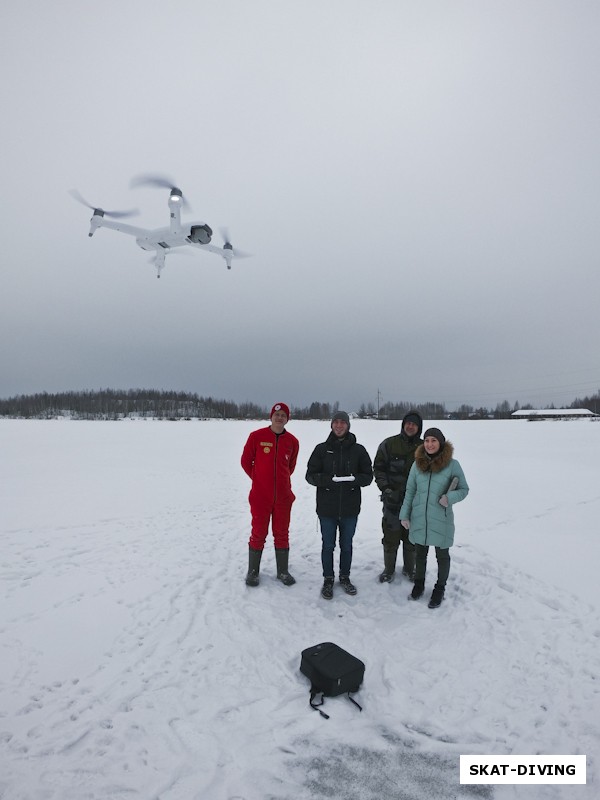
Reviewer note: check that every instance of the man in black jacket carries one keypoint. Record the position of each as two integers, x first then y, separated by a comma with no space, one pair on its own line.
338,468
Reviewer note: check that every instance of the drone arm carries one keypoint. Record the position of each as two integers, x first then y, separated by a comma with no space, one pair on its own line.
227,255
98,221
212,248
175,211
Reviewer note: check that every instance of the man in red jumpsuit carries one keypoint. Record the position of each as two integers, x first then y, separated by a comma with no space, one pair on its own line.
269,458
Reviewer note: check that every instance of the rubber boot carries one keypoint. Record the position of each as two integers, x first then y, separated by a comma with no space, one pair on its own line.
408,557
281,557
254,557
389,565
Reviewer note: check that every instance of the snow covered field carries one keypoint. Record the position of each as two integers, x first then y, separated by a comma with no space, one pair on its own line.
135,663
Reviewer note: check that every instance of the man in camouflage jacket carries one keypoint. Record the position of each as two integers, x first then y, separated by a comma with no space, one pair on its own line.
391,466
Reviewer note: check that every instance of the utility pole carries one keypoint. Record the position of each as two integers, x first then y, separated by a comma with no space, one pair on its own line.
378,401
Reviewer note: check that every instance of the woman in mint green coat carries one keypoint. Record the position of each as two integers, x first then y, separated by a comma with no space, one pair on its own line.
435,483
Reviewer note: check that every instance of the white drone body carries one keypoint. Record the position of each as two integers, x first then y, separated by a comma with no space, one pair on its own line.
162,241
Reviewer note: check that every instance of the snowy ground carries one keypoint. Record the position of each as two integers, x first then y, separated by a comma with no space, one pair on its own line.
135,663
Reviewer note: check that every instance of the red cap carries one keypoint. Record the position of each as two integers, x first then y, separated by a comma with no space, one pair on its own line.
280,407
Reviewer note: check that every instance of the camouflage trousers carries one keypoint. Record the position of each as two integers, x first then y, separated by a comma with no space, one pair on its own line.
393,535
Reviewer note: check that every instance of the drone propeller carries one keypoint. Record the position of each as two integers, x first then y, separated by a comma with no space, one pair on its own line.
228,246
159,182
116,214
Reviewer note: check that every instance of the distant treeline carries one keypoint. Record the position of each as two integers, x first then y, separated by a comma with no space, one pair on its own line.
154,404
117,404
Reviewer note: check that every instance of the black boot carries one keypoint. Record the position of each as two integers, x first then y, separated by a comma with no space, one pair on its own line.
281,557
417,590
389,566
327,590
254,557
436,596
347,584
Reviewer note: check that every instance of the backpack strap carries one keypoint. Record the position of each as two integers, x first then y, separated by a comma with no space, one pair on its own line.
313,693
352,700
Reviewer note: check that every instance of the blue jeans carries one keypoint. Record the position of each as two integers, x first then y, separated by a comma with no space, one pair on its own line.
329,527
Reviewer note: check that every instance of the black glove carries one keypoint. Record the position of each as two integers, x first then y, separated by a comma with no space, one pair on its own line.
387,496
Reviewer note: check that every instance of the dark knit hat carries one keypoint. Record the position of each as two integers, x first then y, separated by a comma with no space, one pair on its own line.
343,416
437,434
280,407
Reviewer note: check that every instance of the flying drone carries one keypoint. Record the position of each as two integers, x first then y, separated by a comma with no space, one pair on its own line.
163,240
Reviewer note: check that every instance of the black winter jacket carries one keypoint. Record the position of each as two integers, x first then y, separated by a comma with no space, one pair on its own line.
339,457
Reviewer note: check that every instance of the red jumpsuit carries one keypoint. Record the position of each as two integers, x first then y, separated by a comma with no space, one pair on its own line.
269,460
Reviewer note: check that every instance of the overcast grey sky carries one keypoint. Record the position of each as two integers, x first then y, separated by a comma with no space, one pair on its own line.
418,183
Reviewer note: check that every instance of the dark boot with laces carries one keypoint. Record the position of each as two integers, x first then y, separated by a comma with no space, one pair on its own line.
327,590
347,585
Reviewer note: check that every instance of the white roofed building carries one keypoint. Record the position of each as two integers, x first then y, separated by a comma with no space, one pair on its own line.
553,413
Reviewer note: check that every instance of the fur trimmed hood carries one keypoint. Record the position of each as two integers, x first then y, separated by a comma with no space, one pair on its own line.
438,462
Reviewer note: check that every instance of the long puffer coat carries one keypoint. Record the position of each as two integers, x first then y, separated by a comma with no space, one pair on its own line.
428,480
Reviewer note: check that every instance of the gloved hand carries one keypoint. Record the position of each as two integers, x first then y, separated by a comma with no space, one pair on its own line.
405,523
443,501
386,496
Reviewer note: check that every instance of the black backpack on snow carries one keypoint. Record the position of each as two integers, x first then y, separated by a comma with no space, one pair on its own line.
331,671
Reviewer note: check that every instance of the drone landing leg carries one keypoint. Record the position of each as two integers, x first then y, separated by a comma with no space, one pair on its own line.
159,261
